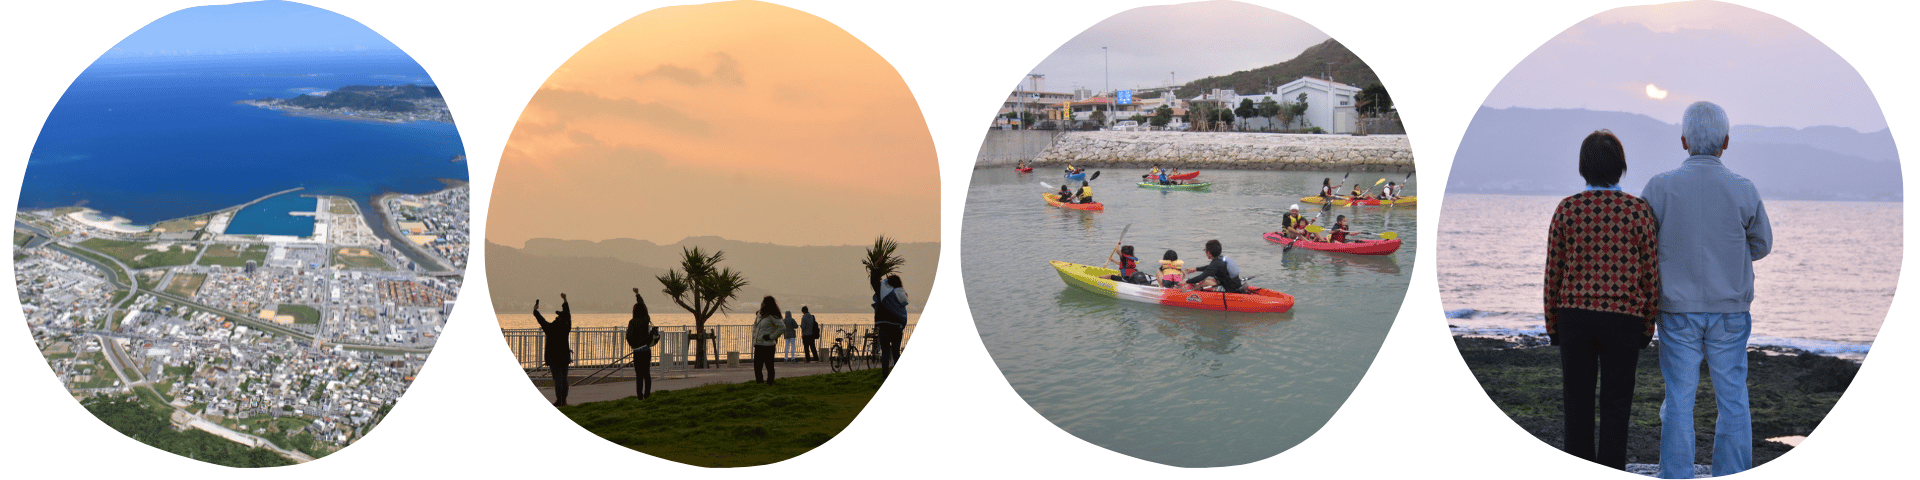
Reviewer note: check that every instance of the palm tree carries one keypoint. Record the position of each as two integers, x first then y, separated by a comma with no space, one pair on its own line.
881,260
703,291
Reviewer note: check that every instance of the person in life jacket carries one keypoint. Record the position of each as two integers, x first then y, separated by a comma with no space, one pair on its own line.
1172,270
1292,225
1339,232
1085,195
1129,268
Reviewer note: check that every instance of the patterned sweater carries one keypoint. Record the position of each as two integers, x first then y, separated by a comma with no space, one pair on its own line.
1603,255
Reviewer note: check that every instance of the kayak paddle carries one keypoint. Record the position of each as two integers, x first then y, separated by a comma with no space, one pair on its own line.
1116,245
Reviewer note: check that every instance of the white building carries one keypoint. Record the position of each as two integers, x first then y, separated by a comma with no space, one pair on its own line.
1330,105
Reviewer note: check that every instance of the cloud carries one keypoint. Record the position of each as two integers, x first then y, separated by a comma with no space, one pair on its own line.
726,72
578,105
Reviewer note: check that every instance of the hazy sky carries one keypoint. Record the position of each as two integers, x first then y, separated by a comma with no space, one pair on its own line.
253,27
743,120
1190,40
1762,69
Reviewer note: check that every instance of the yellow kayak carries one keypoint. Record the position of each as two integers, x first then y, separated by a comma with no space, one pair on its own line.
1407,201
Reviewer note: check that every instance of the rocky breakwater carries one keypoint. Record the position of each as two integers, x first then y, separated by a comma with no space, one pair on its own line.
1251,151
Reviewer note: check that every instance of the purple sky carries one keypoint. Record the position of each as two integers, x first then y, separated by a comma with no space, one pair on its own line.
1146,44
1762,69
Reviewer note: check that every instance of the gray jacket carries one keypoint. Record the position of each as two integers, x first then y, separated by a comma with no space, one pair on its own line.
1712,228
809,328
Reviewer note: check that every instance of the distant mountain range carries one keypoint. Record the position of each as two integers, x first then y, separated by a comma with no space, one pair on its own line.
1536,151
599,276
1318,61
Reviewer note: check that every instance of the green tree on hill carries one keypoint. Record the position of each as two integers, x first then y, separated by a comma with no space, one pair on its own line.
703,290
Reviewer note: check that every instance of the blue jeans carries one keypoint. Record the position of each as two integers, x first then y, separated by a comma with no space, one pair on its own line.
1720,339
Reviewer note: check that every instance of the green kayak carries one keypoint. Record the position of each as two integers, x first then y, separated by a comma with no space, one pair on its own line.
1189,186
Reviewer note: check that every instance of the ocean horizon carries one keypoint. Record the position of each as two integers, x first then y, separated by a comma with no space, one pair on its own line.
1807,295
153,139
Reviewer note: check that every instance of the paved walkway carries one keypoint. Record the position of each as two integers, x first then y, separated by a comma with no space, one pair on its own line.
601,392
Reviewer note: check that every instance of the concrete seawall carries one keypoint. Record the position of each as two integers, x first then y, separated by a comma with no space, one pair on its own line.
1007,147
1251,151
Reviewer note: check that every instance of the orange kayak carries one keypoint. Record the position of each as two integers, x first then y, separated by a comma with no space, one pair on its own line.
1054,199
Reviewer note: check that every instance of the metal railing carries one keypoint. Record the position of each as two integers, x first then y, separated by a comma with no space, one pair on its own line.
598,347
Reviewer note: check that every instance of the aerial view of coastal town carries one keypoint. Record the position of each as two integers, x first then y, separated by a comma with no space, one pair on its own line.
251,268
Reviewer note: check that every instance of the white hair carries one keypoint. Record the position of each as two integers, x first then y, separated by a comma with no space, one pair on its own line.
1705,128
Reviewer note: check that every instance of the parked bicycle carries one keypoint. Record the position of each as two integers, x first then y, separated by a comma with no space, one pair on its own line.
870,349
840,356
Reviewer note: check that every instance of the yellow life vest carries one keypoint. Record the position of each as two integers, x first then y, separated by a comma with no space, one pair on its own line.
1172,267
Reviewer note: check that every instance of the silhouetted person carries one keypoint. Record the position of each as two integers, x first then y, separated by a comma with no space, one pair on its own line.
810,335
559,354
640,336
792,329
766,333
889,319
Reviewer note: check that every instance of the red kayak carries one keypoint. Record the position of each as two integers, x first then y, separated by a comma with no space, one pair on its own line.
1363,247
1054,199
1024,170
1185,176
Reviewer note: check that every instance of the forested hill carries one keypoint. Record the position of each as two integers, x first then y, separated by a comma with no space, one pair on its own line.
1318,61
385,98
387,103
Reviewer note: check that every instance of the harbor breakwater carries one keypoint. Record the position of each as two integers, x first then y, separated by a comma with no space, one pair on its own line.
1193,150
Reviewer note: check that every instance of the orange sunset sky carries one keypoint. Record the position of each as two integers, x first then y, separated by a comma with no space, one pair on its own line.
743,120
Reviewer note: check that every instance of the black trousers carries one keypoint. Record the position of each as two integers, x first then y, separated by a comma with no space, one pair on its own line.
642,372
810,345
889,346
763,357
1606,346
559,382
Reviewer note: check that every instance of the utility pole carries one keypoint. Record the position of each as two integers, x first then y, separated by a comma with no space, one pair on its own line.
1106,75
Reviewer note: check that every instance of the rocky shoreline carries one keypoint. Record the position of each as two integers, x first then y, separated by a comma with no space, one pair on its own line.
1215,150
1790,391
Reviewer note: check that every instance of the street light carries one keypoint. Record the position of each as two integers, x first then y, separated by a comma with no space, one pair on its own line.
1106,76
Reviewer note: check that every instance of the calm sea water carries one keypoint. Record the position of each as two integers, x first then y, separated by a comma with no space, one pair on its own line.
271,217
1825,287
155,139
1173,385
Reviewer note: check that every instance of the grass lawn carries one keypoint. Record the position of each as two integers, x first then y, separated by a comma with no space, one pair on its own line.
1789,394
234,255
149,280
137,256
733,425
21,238
302,314
371,261
185,285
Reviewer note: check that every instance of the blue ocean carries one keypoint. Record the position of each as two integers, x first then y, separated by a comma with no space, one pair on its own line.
152,139
274,216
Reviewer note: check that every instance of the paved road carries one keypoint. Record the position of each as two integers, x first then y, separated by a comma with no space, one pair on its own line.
601,392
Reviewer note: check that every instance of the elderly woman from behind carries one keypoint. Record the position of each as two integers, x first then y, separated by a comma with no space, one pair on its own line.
1602,282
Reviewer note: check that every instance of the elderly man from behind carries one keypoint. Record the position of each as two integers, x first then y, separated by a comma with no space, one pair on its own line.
1712,228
